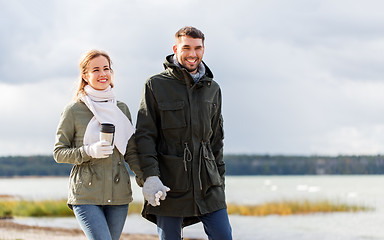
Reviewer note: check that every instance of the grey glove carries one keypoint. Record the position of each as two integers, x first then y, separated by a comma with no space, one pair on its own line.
100,149
154,190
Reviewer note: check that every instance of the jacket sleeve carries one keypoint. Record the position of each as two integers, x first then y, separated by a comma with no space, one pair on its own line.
218,137
147,133
65,150
131,156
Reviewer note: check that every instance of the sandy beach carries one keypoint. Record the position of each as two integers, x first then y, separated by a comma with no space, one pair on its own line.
13,231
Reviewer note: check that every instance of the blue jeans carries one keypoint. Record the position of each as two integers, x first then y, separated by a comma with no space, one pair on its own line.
216,226
101,222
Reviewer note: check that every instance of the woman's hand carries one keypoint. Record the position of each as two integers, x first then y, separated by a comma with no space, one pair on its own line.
100,149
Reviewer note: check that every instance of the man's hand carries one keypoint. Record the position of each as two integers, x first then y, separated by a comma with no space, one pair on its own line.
154,190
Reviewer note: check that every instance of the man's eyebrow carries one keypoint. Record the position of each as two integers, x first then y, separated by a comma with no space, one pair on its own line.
199,46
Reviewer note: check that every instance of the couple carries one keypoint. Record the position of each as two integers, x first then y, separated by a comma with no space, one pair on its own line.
176,151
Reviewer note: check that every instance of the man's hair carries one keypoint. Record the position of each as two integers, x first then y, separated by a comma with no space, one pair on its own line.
190,32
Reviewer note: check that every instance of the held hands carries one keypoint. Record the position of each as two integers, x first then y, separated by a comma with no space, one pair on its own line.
100,149
154,190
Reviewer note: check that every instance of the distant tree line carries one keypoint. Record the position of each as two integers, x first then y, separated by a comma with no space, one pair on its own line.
235,165
32,166
303,165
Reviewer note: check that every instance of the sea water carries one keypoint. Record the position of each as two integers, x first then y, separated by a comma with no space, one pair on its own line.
364,190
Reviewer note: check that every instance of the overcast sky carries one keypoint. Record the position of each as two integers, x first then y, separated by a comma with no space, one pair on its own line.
298,77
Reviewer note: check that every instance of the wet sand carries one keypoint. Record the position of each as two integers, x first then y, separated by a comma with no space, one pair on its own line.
13,231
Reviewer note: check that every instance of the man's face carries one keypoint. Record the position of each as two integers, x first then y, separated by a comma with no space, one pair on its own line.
189,52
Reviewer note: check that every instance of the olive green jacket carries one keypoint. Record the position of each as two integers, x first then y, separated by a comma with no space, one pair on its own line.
180,139
93,181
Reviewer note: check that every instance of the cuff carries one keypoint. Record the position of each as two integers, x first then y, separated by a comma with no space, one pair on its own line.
84,154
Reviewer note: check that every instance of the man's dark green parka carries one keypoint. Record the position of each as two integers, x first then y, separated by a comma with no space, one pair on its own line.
180,139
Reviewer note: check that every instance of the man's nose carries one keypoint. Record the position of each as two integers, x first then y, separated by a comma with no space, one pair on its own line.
192,53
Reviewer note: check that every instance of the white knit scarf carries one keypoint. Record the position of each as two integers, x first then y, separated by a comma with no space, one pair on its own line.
103,105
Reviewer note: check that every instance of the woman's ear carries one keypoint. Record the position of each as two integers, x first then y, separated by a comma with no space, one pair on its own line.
84,77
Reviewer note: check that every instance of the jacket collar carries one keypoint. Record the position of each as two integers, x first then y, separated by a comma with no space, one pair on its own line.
183,75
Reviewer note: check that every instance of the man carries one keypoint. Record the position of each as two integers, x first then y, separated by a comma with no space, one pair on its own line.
180,143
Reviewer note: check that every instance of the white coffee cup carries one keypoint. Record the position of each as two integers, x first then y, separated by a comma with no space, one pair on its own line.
107,132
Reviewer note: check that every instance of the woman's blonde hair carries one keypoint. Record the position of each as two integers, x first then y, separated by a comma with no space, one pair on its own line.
83,66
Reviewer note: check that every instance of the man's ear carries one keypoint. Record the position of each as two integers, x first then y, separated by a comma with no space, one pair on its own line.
174,49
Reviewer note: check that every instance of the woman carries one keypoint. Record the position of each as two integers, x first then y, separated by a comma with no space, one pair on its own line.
99,188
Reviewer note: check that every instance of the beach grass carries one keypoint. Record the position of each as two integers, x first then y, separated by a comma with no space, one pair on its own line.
24,208
292,207
45,208
59,208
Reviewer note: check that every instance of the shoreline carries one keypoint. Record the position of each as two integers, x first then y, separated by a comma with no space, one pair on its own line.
14,231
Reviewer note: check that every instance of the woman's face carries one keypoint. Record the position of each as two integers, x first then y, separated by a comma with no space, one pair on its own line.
99,74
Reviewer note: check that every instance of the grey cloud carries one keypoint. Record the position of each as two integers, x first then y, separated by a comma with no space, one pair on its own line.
292,73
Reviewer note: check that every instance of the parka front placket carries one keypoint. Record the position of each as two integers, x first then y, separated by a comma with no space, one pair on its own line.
195,124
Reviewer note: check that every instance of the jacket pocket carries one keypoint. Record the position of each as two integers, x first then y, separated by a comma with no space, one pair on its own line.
210,174
211,108
122,183
76,180
82,180
172,173
172,114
